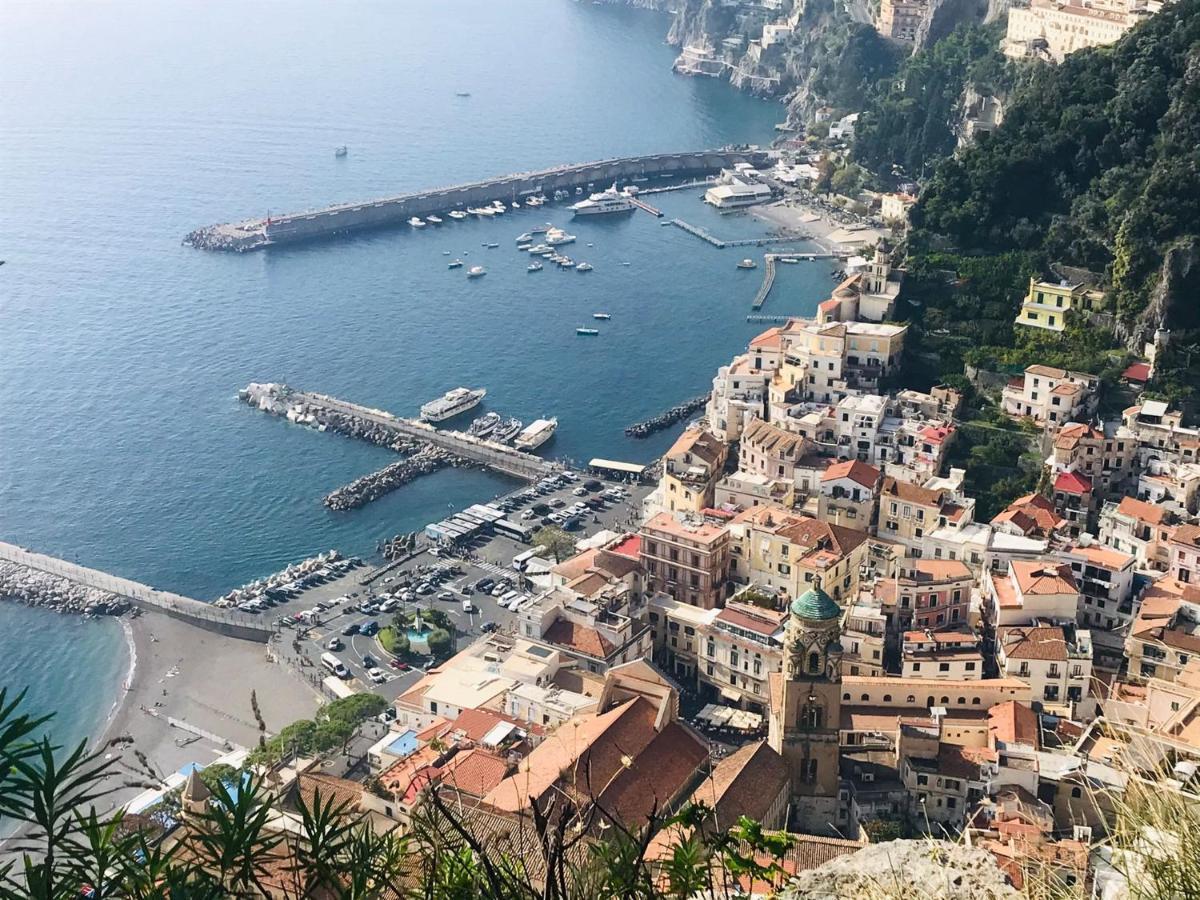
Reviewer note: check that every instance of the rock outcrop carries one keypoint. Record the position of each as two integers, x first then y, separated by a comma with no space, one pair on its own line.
899,870
32,587
1172,304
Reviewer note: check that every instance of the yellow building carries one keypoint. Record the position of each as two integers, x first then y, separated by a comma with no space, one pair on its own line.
691,469
1048,304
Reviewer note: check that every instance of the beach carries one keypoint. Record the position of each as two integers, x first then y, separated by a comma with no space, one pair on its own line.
826,228
187,700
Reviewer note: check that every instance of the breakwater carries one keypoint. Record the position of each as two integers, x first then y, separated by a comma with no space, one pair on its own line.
667,419
297,572
362,491
326,413
187,609
32,587
253,234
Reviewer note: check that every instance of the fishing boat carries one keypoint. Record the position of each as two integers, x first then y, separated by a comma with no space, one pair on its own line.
476,272
603,317
455,264
747,264
485,425
341,151
587,332
416,222
534,267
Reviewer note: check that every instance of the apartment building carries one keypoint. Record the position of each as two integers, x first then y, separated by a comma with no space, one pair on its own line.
1142,530
1054,29
1048,304
901,20
739,392
1075,500
772,452
691,469
864,637
826,362
1029,591
1165,636
1050,396
1183,554
927,594
686,558
909,512
1055,660
941,655
848,494
1105,457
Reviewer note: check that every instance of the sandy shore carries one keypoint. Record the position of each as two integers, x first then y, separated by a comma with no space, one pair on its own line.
202,682
795,215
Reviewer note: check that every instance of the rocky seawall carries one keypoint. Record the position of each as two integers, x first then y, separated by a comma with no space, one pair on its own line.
32,587
257,589
370,487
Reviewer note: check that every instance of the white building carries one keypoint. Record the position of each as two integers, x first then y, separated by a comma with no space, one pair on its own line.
1056,663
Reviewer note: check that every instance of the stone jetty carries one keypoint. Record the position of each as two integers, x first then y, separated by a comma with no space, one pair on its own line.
400,546
667,419
370,487
32,587
257,590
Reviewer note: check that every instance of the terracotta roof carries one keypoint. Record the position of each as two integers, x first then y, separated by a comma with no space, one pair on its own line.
1072,433
856,471
1150,513
1102,556
1042,642
813,534
1072,483
769,339
657,776
1032,513
936,434
911,493
475,772
570,569
1187,534
760,621
1139,371
1043,577
342,791
767,438
1067,387
953,761
1013,723
1046,371
699,443
939,570
700,532
745,783
580,638
617,565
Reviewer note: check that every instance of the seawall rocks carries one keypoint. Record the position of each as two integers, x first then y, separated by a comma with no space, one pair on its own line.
31,587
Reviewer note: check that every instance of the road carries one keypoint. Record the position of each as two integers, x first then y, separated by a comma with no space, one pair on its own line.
488,557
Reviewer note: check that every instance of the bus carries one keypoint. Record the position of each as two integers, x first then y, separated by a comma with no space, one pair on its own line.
521,560
513,530
335,665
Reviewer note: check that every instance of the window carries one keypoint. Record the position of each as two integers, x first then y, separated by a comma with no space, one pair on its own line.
923,779
887,698
1076,793
944,667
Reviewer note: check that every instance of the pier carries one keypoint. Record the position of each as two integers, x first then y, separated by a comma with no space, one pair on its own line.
653,210
325,413
770,320
187,609
768,282
253,234
705,235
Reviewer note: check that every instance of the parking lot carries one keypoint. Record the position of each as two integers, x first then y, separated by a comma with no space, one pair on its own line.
441,579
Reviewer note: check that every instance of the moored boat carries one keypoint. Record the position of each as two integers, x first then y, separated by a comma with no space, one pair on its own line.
433,220
507,430
587,332
747,264
476,272
454,264
484,425
452,403
536,434
534,267
583,267
416,222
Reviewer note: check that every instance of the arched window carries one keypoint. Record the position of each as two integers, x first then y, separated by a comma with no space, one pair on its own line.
911,699
845,696
929,701
962,701
814,662
866,698
945,701
974,701
887,698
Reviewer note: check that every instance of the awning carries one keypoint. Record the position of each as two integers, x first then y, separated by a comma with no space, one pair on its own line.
613,465
730,695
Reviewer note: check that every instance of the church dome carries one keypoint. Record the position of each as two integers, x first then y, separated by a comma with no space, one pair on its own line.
816,605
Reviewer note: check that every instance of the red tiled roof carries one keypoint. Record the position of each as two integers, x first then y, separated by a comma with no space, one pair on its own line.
1139,371
630,545
580,638
1047,642
475,772
1013,723
1150,513
1043,577
1072,483
856,471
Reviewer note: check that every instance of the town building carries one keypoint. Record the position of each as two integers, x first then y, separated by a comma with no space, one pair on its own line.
928,594
1106,457
1049,395
848,494
1165,636
739,392
1048,304
1075,500
1029,591
939,655
1055,660
1054,29
686,558
902,20
1183,554
864,637
864,296
1029,516
909,512
825,362
691,469
894,207
1142,530
736,193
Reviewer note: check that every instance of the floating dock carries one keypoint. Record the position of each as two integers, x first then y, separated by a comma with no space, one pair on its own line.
253,234
642,205
768,282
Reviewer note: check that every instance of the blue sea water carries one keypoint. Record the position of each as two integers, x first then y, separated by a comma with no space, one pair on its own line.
127,124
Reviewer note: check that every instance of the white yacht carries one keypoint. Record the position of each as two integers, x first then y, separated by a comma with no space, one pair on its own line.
534,267
476,272
536,434
457,214
583,267
433,220
603,317
416,222
556,236
499,207
451,404
610,201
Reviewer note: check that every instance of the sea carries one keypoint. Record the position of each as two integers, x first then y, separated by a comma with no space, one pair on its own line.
126,124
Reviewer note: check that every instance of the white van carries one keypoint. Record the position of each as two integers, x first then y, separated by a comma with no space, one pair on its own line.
468,606
335,665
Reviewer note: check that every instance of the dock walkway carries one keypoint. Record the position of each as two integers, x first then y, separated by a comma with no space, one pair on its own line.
188,609
768,282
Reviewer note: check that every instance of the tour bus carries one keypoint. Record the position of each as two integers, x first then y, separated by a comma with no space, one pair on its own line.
334,665
513,530
521,560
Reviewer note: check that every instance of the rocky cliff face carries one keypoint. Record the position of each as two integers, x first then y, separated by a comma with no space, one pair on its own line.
1172,303
946,15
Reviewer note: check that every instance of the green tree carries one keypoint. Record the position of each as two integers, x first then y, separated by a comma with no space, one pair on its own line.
439,642
555,542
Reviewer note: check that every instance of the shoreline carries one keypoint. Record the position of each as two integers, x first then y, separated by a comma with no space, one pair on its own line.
104,734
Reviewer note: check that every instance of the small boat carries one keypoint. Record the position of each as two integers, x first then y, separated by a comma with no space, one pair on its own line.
454,264
445,253
457,214
541,229
578,191
476,272
587,332
523,248
507,430
534,267
499,207
525,237
583,267
485,424
433,220
462,93
556,236
747,264
491,246
590,244
603,317
416,222
533,202
625,264
341,151
516,205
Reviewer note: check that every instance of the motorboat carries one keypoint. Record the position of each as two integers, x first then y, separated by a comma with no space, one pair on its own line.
747,264
485,425
476,272
534,267
516,205
457,214
567,263
433,220
556,236
609,201
587,332
455,264
507,430
523,248
491,246
583,267
499,207
341,151
603,317
416,222
462,93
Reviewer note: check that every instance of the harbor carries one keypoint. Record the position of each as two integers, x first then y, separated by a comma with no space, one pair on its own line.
515,189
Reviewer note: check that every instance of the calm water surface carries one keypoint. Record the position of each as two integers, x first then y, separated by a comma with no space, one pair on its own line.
128,124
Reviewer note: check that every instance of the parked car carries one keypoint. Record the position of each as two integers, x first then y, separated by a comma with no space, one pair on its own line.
580,491
350,629
377,675
558,502
485,584
369,662
488,627
527,515
370,629
592,484
424,588
466,590
334,644
498,590
399,665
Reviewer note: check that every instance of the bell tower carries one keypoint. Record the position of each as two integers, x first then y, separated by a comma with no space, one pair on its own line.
806,709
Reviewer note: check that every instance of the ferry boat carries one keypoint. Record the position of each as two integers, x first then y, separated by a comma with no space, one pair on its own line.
416,222
609,201
534,267
587,332
476,272
536,434
583,267
747,264
507,430
603,317
433,220
484,425
451,404
556,236
341,151
455,264
457,214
